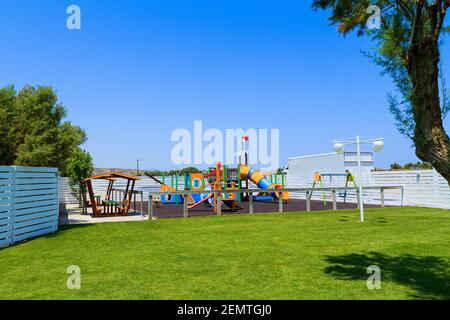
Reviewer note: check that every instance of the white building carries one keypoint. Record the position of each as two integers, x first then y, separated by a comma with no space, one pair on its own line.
301,169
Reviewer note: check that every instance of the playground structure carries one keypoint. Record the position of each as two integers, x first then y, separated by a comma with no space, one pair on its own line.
318,180
110,207
228,179
223,178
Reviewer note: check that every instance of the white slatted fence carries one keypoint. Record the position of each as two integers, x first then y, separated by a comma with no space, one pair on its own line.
422,188
100,186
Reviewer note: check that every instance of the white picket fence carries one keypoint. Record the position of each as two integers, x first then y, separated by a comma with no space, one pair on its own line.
421,188
29,203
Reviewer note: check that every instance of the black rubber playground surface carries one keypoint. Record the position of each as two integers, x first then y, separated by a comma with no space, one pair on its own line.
176,210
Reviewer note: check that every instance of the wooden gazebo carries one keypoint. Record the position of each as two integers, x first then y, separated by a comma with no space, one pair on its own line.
114,208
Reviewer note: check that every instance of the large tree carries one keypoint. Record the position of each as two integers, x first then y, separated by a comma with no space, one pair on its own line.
407,49
32,130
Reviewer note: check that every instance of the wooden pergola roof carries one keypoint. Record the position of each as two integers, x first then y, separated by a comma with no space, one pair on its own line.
112,175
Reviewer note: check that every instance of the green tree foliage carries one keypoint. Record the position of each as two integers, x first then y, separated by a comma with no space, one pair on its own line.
410,165
417,165
32,130
407,47
396,166
181,172
79,167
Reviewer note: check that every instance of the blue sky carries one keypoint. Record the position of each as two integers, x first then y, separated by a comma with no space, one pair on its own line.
137,70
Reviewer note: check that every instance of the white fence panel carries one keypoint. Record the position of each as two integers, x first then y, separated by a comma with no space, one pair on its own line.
100,186
425,188
422,188
303,181
65,194
29,204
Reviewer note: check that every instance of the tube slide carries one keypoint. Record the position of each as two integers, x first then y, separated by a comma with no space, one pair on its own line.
261,181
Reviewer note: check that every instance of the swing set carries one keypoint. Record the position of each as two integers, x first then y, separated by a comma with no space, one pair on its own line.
319,182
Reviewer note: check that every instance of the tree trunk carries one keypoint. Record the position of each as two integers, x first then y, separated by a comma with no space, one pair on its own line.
431,141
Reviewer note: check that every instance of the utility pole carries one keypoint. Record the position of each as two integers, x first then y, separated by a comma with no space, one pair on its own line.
137,166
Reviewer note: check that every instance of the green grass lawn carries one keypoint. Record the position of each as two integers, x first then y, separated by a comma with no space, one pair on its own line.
318,255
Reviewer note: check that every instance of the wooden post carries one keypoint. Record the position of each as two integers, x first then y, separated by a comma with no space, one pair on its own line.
402,199
92,197
334,199
185,206
219,204
126,191
142,203
250,203
382,197
358,199
150,206
280,202
308,201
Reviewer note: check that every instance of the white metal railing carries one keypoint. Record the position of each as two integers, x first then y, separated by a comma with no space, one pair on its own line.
306,191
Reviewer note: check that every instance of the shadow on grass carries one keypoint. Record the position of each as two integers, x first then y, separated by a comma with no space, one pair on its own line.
428,276
65,227
61,230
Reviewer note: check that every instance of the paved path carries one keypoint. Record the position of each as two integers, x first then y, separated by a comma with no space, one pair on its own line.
74,216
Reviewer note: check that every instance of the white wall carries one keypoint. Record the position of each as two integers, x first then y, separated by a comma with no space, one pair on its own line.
330,163
325,163
351,162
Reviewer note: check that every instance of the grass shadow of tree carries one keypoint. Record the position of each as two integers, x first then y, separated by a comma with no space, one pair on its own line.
428,276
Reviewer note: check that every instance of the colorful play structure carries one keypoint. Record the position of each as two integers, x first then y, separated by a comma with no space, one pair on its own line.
319,181
107,206
224,178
